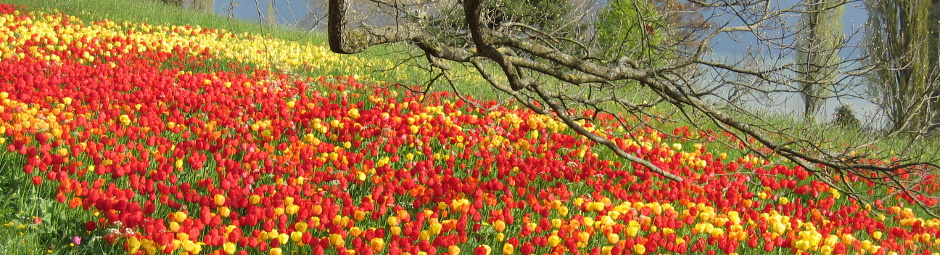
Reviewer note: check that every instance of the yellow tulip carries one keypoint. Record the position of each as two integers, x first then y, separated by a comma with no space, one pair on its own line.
435,228
453,250
639,249
229,248
133,244
297,237
355,231
377,244
301,226
508,249
337,240
554,240
499,225
613,238
219,199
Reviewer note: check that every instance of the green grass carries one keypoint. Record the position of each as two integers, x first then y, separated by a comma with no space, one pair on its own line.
33,222
157,13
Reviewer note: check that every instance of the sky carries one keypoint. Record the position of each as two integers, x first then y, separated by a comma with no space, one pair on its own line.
296,13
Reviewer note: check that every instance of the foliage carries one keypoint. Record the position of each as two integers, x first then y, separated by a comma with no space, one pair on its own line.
818,57
897,39
659,27
202,5
173,2
844,117
34,222
632,28
545,14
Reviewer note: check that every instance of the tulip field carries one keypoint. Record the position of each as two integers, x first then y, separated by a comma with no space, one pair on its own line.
131,138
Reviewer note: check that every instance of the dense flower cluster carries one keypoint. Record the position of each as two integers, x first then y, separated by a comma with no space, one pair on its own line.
245,161
59,36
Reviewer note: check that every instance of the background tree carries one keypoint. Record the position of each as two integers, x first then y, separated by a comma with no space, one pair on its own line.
271,18
202,5
173,2
819,63
903,82
630,25
933,22
845,118
546,14
560,75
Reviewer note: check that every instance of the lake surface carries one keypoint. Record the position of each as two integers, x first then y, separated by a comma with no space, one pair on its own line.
299,13
310,14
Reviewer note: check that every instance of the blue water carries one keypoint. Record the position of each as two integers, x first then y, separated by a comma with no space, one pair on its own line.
303,14
311,14
307,14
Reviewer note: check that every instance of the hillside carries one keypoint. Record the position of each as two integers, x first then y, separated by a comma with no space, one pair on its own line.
124,137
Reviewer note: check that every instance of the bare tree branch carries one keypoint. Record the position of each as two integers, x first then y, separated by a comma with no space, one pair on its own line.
554,72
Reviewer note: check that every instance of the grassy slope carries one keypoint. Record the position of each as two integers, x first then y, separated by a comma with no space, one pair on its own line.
160,14
21,202
157,13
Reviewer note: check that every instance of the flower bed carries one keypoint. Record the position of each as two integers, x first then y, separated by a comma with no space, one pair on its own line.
122,121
